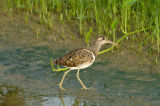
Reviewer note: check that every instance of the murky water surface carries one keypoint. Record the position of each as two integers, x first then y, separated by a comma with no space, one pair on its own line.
26,79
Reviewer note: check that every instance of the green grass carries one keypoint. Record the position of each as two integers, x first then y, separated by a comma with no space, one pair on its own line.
106,17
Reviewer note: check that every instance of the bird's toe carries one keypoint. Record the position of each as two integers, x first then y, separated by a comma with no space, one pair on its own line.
84,88
62,89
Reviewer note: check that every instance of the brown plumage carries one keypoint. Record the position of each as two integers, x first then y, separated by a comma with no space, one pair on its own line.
81,58
75,58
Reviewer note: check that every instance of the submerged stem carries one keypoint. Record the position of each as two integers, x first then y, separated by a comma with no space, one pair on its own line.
59,69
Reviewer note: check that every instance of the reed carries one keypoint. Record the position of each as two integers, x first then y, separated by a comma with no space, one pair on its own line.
105,16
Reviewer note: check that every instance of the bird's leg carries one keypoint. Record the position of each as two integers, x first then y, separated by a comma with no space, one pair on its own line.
84,87
60,84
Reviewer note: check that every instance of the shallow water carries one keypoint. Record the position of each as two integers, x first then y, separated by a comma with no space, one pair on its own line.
26,79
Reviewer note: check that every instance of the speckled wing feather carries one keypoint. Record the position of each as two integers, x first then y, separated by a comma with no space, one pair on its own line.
75,58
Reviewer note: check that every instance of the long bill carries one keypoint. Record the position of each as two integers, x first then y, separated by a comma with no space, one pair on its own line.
108,41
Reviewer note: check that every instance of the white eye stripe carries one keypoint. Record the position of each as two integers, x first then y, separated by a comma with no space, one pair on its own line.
101,39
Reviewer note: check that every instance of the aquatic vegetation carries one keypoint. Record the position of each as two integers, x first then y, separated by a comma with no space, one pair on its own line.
58,68
107,17
87,37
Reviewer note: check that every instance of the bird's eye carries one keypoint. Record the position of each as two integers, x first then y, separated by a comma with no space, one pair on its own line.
103,38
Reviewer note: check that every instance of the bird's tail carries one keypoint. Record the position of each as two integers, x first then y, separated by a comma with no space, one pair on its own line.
55,62
52,62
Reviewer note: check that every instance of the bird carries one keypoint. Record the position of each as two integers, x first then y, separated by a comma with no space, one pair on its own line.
81,58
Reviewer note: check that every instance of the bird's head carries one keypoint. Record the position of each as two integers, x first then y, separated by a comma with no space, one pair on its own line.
100,40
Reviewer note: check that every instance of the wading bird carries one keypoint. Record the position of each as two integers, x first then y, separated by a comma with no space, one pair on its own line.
81,58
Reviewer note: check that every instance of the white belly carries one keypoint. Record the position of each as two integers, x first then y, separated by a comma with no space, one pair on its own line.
84,65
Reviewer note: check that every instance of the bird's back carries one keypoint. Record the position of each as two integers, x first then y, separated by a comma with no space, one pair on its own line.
80,58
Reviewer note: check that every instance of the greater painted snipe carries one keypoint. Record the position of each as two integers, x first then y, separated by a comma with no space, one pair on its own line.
81,58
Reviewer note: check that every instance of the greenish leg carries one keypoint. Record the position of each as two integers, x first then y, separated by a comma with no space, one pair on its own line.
60,84
84,87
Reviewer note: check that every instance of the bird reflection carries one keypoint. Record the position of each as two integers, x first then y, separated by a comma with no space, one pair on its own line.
77,100
62,101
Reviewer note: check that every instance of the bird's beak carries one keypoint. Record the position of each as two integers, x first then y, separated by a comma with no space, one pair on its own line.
108,41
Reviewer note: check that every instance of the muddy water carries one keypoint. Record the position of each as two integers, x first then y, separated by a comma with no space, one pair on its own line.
26,79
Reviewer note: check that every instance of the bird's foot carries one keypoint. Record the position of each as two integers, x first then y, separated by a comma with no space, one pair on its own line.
61,88
84,88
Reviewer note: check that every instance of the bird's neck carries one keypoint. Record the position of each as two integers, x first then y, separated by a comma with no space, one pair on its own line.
95,48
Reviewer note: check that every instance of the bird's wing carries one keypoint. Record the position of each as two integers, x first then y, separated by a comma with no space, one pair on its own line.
75,57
